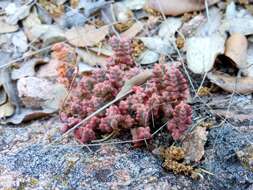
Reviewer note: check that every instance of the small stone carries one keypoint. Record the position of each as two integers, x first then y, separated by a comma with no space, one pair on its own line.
246,157
37,93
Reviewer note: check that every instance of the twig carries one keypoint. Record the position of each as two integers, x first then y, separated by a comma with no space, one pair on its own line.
160,128
91,115
105,138
205,171
26,56
111,143
207,12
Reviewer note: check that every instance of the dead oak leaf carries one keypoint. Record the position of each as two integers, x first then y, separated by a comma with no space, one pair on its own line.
6,28
6,110
86,36
243,85
133,30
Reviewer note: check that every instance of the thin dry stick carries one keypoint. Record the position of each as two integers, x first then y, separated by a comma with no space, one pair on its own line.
231,99
201,84
91,115
99,144
26,56
69,89
113,28
159,129
207,11
115,142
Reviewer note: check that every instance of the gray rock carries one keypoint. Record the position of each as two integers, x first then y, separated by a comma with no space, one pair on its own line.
40,93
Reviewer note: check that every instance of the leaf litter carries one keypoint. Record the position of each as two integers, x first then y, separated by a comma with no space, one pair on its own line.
208,30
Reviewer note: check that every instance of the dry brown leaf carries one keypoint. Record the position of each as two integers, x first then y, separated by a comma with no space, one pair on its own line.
6,110
91,58
19,14
148,57
27,115
175,7
27,69
132,31
86,36
49,34
189,28
157,44
104,50
236,49
193,144
228,83
6,28
135,81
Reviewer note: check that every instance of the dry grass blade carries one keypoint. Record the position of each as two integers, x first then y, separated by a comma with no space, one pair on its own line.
135,81
91,115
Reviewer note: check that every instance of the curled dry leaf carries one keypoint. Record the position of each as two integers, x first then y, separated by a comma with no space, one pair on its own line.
90,7
5,27
189,28
202,51
6,110
19,14
243,85
193,144
31,21
27,115
27,69
175,7
135,81
169,27
104,50
158,45
236,49
72,18
86,36
148,57
48,33
84,68
91,58
132,31
19,40
122,13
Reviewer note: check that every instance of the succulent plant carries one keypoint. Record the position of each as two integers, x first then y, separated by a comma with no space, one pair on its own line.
163,97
